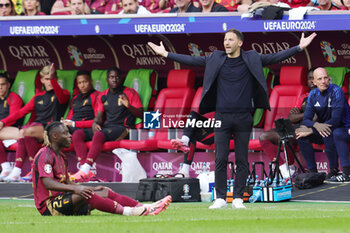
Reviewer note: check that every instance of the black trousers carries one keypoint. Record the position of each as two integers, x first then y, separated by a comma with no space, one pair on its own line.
240,126
203,135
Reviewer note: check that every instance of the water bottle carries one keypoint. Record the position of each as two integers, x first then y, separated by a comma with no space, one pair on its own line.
181,165
281,182
228,185
205,168
262,183
253,198
21,89
98,85
256,183
60,82
274,183
151,134
288,182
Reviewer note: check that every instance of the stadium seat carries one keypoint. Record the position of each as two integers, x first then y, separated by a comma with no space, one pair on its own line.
258,117
195,107
340,77
66,79
24,87
283,97
144,81
99,79
175,101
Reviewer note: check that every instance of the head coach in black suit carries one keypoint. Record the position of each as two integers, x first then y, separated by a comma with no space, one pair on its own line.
234,85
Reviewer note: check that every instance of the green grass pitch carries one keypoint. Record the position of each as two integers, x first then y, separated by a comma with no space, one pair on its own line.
22,216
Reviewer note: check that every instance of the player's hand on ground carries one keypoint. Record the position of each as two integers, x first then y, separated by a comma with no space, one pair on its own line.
324,129
84,191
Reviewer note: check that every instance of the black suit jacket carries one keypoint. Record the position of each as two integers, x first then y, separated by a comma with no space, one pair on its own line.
213,63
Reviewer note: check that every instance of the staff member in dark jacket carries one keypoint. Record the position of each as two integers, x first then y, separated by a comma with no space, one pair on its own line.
233,86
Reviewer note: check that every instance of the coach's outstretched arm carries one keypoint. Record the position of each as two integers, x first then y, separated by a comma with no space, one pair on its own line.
159,49
185,59
274,58
305,41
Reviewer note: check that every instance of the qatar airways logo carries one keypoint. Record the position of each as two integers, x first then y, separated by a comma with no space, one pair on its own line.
157,120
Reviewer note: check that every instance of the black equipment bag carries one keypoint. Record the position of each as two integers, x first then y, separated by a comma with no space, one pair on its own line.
309,180
147,189
181,189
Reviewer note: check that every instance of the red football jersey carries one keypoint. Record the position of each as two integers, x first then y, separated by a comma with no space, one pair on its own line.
47,164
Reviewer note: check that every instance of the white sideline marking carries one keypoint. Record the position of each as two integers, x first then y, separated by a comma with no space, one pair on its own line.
323,201
15,198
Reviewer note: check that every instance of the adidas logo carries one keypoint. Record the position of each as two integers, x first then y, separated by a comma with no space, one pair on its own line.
317,104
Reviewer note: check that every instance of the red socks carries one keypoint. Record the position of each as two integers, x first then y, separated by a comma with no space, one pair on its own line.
2,153
105,204
123,200
96,147
21,153
189,155
32,146
80,148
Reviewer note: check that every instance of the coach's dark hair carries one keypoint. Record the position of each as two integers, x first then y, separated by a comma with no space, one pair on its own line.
5,75
116,69
84,72
238,33
48,129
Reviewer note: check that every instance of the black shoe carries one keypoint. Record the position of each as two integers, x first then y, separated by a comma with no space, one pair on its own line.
339,179
333,172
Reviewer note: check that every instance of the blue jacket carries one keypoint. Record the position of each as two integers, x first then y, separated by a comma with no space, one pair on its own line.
346,116
327,105
213,64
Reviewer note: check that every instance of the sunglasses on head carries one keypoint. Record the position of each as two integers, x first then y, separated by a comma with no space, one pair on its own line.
4,5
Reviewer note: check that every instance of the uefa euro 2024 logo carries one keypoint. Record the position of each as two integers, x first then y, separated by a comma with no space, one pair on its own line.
151,120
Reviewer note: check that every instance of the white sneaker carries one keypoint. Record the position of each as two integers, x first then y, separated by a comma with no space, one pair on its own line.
182,174
4,174
139,211
218,204
238,203
12,178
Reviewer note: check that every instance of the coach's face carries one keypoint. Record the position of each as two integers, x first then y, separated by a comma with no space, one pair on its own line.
232,44
321,79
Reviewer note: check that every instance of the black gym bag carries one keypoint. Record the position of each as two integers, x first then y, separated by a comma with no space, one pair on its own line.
181,189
